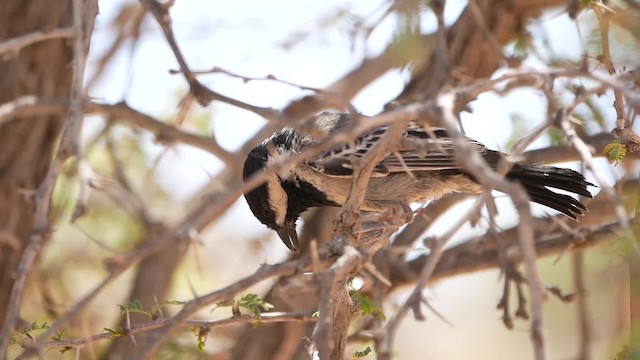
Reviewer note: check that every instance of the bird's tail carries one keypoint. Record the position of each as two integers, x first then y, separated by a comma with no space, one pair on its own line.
537,179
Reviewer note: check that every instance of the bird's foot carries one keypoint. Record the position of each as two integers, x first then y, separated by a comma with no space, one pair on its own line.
395,215
398,213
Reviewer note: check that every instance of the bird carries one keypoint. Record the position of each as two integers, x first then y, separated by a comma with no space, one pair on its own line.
421,168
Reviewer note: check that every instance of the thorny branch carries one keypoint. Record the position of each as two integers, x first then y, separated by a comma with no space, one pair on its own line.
264,318
603,19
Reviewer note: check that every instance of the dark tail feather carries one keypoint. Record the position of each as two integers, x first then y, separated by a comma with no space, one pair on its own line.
537,179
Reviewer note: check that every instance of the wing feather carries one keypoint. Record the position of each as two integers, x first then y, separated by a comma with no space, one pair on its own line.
420,150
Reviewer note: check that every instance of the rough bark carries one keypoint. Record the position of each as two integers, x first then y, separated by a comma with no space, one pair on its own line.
26,144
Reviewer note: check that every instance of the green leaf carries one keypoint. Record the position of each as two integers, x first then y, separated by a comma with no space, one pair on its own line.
34,326
172,302
134,306
25,333
201,343
615,151
155,310
365,305
254,303
115,333
361,354
58,335
201,334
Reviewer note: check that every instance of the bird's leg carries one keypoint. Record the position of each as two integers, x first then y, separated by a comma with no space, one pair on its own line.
397,212
394,214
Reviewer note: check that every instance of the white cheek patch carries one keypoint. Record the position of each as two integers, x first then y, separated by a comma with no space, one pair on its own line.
278,199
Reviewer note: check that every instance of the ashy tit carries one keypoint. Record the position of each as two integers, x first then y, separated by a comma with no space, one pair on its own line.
421,168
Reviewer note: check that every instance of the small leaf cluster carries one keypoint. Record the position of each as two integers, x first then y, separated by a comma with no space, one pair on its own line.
201,336
360,354
135,306
366,306
615,151
25,334
254,303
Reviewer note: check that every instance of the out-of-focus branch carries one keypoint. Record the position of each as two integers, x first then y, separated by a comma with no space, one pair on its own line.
119,112
122,112
603,19
15,44
203,94
468,259
126,26
190,307
30,105
584,323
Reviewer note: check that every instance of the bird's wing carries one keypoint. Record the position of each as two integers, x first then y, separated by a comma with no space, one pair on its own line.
420,149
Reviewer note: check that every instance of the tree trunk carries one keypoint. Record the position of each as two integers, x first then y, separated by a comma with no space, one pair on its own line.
42,69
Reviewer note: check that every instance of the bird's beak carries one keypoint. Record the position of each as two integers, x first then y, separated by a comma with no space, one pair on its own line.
289,236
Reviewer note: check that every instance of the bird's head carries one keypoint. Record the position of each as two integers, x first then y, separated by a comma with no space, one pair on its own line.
269,202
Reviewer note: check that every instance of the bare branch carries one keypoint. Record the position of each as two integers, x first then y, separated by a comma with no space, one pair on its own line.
271,317
603,19
15,44
164,133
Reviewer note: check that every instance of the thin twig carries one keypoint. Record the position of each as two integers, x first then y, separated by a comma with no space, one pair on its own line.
264,272
122,112
622,121
584,323
264,318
